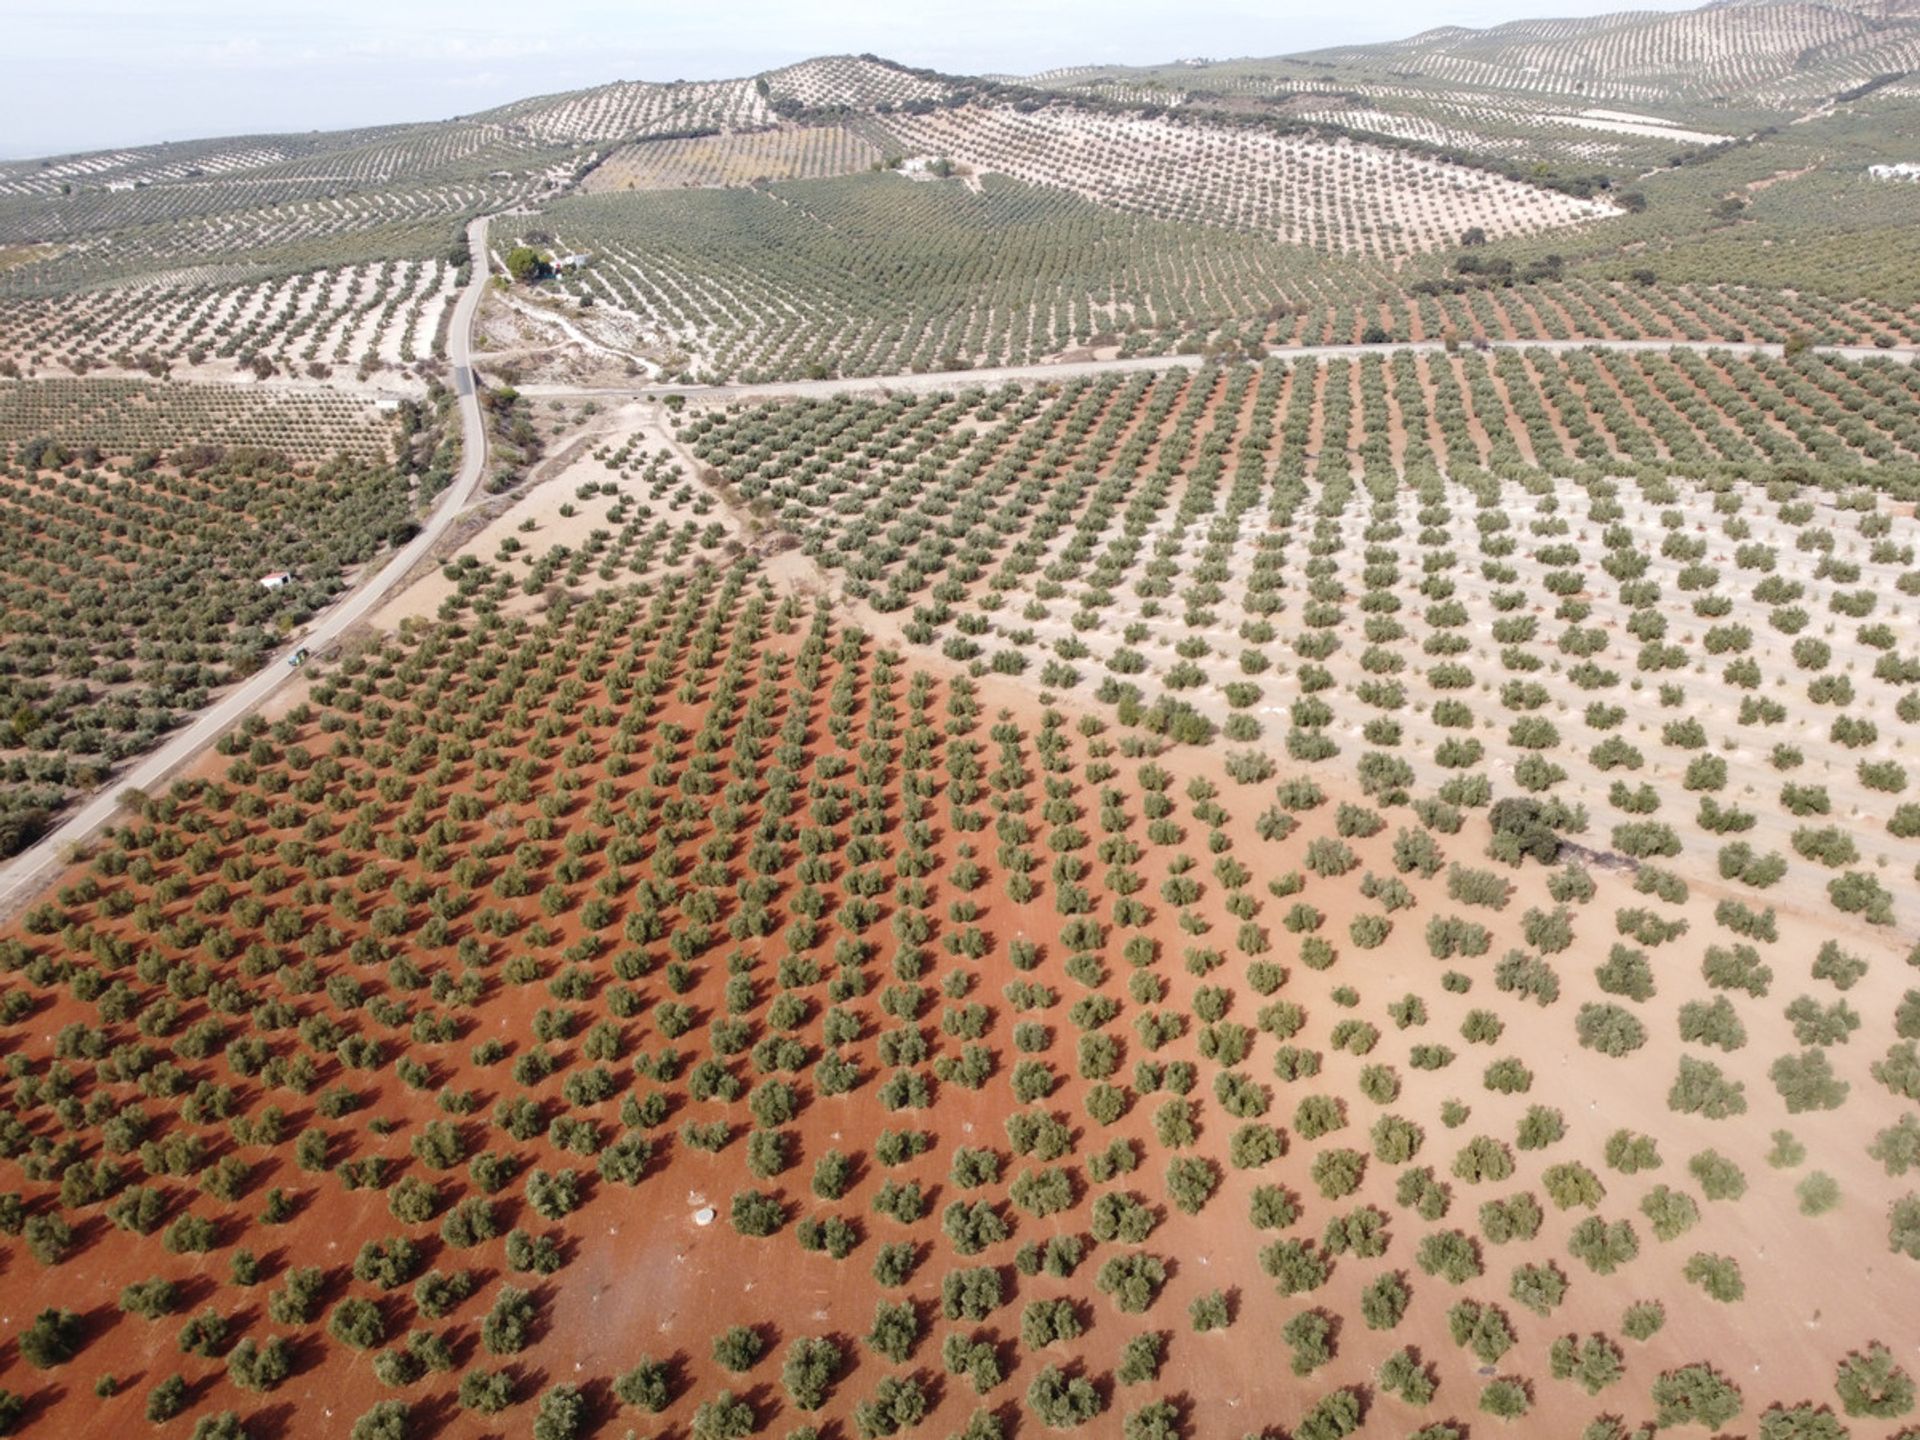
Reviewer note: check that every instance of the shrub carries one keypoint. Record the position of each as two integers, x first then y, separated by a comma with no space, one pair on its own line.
1450,1255
487,1392
1140,1360
1738,968
756,1214
1402,1375
1505,1399
1360,1232
728,1417
507,1328
1523,821
1573,1184
1718,1275
1818,1193
1337,1172
1508,1077
1695,1395
971,1294
895,1331
1806,1082
1060,1401
1593,1363
1294,1265
1538,1287
152,1298
1603,1247
647,1386
1643,1320
1476,887
1481,1329
1671,1212
1903,1226
1483,1159
1209,1312
1309,1334
1712,1024
1450,935
1132,1281
1191,1182
1701,1088
1630,1153
1333,1417
563,1410
1719,1177
809,1371
1383,1303
358,1323
1870,1384
1626,974
1800,1422
52,1338
737,1349
1156,1420
166,1399
260,1367
1518,1217
1858,893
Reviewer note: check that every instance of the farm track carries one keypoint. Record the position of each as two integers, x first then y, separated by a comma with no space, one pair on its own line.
30,870
1079,369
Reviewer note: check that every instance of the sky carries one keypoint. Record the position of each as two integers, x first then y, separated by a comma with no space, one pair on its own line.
92,74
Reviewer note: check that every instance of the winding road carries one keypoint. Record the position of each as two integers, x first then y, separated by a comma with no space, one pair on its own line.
26,873
33,868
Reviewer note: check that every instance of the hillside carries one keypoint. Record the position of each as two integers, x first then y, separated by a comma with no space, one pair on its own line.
1763,53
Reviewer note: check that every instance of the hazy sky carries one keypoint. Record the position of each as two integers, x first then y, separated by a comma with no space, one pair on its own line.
88,74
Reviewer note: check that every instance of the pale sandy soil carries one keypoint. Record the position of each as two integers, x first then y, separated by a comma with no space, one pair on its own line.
573,460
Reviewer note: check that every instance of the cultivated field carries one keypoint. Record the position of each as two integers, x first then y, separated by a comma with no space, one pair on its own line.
1565,659
1346,198
877,274
364,319
1195,889
749,158
124,417
1032,1125
133,579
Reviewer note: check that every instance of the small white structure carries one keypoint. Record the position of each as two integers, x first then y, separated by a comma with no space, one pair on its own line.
576,261
1905,170
276,580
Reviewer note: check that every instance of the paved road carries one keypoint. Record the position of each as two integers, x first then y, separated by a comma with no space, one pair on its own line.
999,374
36,866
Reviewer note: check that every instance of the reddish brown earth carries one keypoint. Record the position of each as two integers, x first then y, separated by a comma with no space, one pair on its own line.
641,1279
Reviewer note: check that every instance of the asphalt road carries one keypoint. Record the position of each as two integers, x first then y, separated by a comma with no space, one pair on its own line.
33,868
